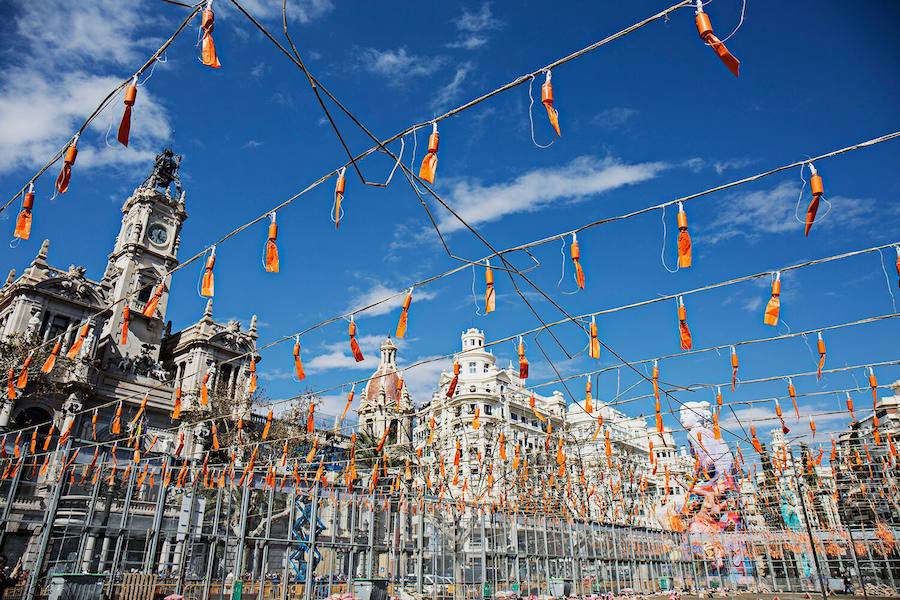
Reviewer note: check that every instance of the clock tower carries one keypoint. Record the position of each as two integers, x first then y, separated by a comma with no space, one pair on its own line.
145,250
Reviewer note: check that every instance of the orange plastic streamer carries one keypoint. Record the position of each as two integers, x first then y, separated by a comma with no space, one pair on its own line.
153,303
349,401
818,190
683,330
773,307
490,297
429,163
268,426
404,315
208,47
125,124
704,28
547,101
51,359
176,409
820,346
65,175
23,221
792,392
204,389
22,380
208,283
298,363
451,388
272,263
354,345
311,418
588,403
594,348
734,368
126,317
11,384
873,385
575,252
251,382
340,185
523,362
684,239
79,342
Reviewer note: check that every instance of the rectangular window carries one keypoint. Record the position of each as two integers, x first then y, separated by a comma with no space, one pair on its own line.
485,367
514,416
488,409
473,368
58,324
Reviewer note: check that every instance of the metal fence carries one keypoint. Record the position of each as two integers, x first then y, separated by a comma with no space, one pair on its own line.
145,539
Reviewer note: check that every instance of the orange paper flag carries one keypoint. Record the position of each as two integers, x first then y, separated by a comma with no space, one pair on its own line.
354,345
204,387
683,330
451,388
311,418
65,175
207,47
429,163
349,401
547,101
176,408
523,362
873,385
404,315
251,381
575,252
153,303
79,342
51,359
490,297
126,317
340,185
116,426
22,380
11,384
268,426
588,404
271,260
23,221
684,239
704,28
850,407
820,346
734,368
208,282
818,190
125,124
594,347
298,364
773,307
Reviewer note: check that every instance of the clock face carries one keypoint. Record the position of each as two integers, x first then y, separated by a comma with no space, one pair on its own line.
158,234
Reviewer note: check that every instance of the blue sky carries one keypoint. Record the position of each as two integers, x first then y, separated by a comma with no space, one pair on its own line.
645,119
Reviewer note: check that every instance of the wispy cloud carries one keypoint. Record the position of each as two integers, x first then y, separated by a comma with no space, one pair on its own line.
473,27
64,52
751,215
251,144
378,291
763,417
615,117
397,65
450,91
300,11
535,190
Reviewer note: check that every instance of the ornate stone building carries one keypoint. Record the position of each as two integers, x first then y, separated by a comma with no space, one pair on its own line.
46,304
386,402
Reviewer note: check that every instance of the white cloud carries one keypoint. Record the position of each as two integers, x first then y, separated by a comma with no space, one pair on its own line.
614,117
64,54
251,144
449,92
720,166
473,26
337,355
538,189
397,65
763,417
422,381
301,11
753,214
377,291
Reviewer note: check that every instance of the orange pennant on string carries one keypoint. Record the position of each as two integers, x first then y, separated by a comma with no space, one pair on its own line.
428,169
594,344
773,307
818,190
208,282
490,297
588,403
271,260
208,47
354,345
704,28
23,221
298,363
126,317
22,380
547,100
65,175
575,253
125,124
404,315
79,341
51,359
523,362
684,239
820,346
451,388
153,303
684,331
734,368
